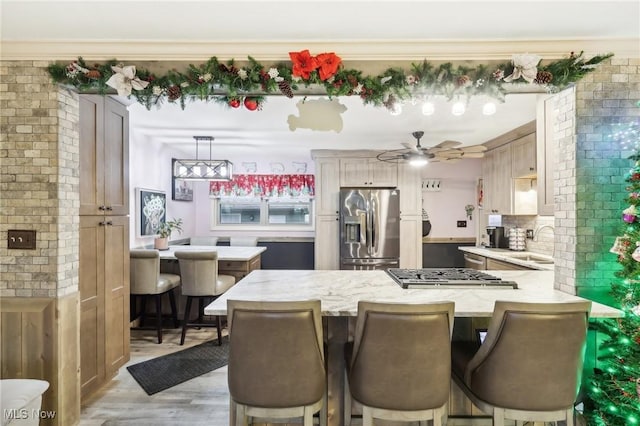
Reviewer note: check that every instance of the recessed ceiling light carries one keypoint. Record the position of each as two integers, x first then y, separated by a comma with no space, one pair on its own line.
458,108
428,108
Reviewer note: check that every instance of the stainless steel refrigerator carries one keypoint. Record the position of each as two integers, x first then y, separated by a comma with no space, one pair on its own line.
369,228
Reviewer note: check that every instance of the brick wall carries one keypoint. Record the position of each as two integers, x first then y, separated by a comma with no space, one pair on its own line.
39,158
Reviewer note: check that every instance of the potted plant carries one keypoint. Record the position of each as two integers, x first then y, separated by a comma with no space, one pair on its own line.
164,232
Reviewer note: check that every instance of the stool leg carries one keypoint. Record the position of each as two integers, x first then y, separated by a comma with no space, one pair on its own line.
143,309
174,309
159,316
187,310
218,319
367,416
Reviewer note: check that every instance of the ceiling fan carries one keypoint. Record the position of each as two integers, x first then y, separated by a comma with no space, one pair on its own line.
445,152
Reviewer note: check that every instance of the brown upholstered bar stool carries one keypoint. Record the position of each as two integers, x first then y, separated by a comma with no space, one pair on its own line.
200,280
276,360
398,366
146,280
529,366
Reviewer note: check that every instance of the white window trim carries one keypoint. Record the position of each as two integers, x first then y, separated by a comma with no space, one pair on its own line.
214,225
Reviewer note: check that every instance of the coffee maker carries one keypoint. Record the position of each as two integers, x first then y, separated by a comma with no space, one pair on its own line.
497,238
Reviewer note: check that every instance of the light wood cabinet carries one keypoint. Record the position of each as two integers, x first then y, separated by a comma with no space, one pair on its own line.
104,156
327,177
327,248
104,299
368,172
410,186
523,157
496,173
410,241
546,152
504,266
104,240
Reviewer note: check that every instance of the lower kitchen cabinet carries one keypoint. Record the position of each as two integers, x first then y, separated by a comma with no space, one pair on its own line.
411,241
327,242
499,265
104,299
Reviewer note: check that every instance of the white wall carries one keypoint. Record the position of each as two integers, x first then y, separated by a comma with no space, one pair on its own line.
458,188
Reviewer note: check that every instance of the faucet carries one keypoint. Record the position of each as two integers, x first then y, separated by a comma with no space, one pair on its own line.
535,234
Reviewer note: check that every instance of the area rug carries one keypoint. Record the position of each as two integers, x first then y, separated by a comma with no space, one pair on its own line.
158,374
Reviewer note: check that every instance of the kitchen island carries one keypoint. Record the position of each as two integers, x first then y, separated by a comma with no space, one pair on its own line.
340,291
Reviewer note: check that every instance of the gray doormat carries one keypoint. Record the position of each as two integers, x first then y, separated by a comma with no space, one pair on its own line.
158,374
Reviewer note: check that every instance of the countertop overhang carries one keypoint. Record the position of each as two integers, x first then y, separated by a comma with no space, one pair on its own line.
506,255
340,291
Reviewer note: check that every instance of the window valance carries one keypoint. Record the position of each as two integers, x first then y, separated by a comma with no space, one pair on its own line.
298,187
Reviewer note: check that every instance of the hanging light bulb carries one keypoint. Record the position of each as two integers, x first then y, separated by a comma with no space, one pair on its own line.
417,160
428,108
396,109
489,108
458,108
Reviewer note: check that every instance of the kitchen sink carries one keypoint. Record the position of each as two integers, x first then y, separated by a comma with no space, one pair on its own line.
528,257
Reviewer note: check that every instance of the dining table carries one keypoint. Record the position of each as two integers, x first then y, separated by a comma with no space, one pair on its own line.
339,292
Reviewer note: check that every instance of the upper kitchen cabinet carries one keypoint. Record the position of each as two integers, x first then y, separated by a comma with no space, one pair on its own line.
546,114
496,174
523,156
104,156
368,172
327,185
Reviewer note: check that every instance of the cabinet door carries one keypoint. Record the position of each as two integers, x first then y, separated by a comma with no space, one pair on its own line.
116,157
411,241
410,186
327,186
354,172
523,156
546,116
92,164
327,253
116,292
91,286
502,173
488,182
383,174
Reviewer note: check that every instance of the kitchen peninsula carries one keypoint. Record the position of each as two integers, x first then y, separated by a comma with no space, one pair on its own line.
340,291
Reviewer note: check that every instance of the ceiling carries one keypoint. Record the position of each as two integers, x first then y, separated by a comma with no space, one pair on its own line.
356,30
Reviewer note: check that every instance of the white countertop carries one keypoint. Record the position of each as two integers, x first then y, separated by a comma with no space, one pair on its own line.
224,252
506,255
340,291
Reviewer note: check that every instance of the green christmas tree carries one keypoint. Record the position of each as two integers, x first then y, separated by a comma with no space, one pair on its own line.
613,391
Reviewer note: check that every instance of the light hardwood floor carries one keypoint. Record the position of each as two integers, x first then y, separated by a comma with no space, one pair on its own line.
203,400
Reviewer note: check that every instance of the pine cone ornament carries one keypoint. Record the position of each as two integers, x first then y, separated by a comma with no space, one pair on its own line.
543,77
174,93
285,88
93,74
463,81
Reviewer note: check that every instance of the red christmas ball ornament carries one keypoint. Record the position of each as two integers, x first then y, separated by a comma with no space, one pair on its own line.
250,104
234,103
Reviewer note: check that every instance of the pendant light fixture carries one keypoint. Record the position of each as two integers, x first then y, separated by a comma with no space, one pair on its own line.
203,169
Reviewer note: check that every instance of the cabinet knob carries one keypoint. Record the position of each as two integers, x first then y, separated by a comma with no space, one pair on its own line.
531,169
109,208
102,223
102,208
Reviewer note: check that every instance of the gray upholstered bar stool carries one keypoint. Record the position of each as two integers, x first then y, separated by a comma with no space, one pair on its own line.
529,366
243,241
200,280
146,280
276,360
203,241
398,366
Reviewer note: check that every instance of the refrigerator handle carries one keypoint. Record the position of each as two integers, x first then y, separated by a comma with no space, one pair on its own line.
363,228
374,212
368,232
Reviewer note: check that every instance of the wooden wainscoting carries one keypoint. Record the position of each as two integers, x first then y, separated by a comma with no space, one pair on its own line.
39,339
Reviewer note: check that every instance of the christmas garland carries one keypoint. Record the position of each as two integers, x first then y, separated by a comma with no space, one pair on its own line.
237,85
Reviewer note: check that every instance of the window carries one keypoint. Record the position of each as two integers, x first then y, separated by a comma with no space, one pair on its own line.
242,214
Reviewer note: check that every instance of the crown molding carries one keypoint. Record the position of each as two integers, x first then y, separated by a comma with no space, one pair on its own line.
355,50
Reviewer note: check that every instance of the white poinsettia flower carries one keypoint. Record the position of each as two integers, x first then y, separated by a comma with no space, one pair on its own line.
242,74
525,66
207,76
125,79
358,89
273,72
156,90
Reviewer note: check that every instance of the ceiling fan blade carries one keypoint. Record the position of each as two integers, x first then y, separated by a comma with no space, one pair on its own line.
445,160
474,148
448,144
412,147
450,153
473,154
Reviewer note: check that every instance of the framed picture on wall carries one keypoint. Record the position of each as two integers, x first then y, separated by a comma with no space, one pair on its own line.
151,208
181,190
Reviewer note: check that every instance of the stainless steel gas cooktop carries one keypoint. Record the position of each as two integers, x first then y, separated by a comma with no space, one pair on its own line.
447,278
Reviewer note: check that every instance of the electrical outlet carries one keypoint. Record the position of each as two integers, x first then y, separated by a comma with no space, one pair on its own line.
530,234
462,224
21,239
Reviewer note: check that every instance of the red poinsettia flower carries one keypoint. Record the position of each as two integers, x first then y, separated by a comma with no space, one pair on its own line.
303,64
328,63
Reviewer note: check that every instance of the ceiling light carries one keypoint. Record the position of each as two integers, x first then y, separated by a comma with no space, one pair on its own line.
203,169
396,109
417,160
428,108
489,108
458,108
